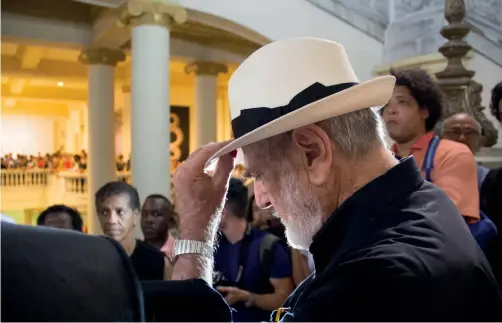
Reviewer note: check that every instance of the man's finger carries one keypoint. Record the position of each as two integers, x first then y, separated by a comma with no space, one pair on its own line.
197,160
194,153
224,167
223,289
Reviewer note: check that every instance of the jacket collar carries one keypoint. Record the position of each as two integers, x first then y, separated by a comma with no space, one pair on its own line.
368,202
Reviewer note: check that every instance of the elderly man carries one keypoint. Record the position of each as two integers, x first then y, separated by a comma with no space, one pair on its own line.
386,244
463,128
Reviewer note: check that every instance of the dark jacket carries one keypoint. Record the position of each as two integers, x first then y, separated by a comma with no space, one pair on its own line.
398,249
490,200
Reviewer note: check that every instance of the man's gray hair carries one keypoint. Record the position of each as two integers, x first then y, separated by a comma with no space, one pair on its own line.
355,134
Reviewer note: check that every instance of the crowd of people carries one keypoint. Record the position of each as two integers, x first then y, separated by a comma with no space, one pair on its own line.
332,225
270,267
57,161
254,267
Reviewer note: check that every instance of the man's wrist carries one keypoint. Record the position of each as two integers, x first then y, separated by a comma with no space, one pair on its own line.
204,232
250,299
193,266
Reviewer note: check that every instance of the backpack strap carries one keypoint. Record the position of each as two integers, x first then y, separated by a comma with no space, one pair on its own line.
267,245
428,164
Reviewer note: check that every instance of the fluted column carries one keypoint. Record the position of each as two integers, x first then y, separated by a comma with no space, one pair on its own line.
206,87
150,114
101,122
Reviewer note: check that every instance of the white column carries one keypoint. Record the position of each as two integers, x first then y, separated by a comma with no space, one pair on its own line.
85,142
101,123
206,97
126,122
150,113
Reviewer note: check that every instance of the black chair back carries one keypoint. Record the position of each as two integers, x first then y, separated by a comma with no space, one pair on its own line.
62,275
184,301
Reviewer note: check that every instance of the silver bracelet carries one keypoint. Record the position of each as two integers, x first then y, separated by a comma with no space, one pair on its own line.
183,247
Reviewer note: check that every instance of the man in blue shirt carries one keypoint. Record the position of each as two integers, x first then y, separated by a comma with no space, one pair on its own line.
252,267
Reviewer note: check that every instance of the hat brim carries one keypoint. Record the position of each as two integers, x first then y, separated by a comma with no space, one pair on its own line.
373,93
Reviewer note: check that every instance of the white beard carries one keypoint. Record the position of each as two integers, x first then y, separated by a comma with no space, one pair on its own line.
304,210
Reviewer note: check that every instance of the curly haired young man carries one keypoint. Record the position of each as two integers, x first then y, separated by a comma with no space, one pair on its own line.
410,116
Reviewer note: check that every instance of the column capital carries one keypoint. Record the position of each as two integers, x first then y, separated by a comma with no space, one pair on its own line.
152,12
206,68
101,55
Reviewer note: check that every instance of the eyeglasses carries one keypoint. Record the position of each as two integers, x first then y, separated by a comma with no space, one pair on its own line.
457,133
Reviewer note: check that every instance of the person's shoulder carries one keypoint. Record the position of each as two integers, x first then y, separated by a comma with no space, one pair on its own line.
273,240
424,246
448,149
147,249
258,235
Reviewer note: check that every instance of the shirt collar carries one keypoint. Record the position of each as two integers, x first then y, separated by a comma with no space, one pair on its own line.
364,204
421,143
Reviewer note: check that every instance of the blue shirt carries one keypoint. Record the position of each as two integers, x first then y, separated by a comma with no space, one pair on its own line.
482,172
226,261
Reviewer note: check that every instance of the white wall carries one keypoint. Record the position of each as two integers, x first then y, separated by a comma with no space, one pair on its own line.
488,74
280,19
73,123
26,134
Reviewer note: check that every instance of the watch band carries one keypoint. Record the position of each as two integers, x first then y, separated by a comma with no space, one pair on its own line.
182,247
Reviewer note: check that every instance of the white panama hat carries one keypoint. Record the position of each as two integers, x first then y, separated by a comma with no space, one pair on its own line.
292,83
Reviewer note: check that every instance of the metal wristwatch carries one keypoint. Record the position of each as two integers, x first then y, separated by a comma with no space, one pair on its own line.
182,247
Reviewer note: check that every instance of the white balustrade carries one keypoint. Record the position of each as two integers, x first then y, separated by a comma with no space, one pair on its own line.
74,182
32,190
23,178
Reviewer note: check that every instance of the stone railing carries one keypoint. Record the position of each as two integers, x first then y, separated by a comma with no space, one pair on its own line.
32,190
77,182
24,177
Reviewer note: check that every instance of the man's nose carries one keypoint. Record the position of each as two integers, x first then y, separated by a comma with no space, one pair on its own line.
113,217
149,218
391,107
261,196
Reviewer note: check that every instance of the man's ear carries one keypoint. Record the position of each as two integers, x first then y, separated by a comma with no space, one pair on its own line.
424,112
315,148
223,213
136,215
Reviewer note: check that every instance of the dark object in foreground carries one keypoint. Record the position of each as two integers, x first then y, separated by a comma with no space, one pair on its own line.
184,301
61,275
